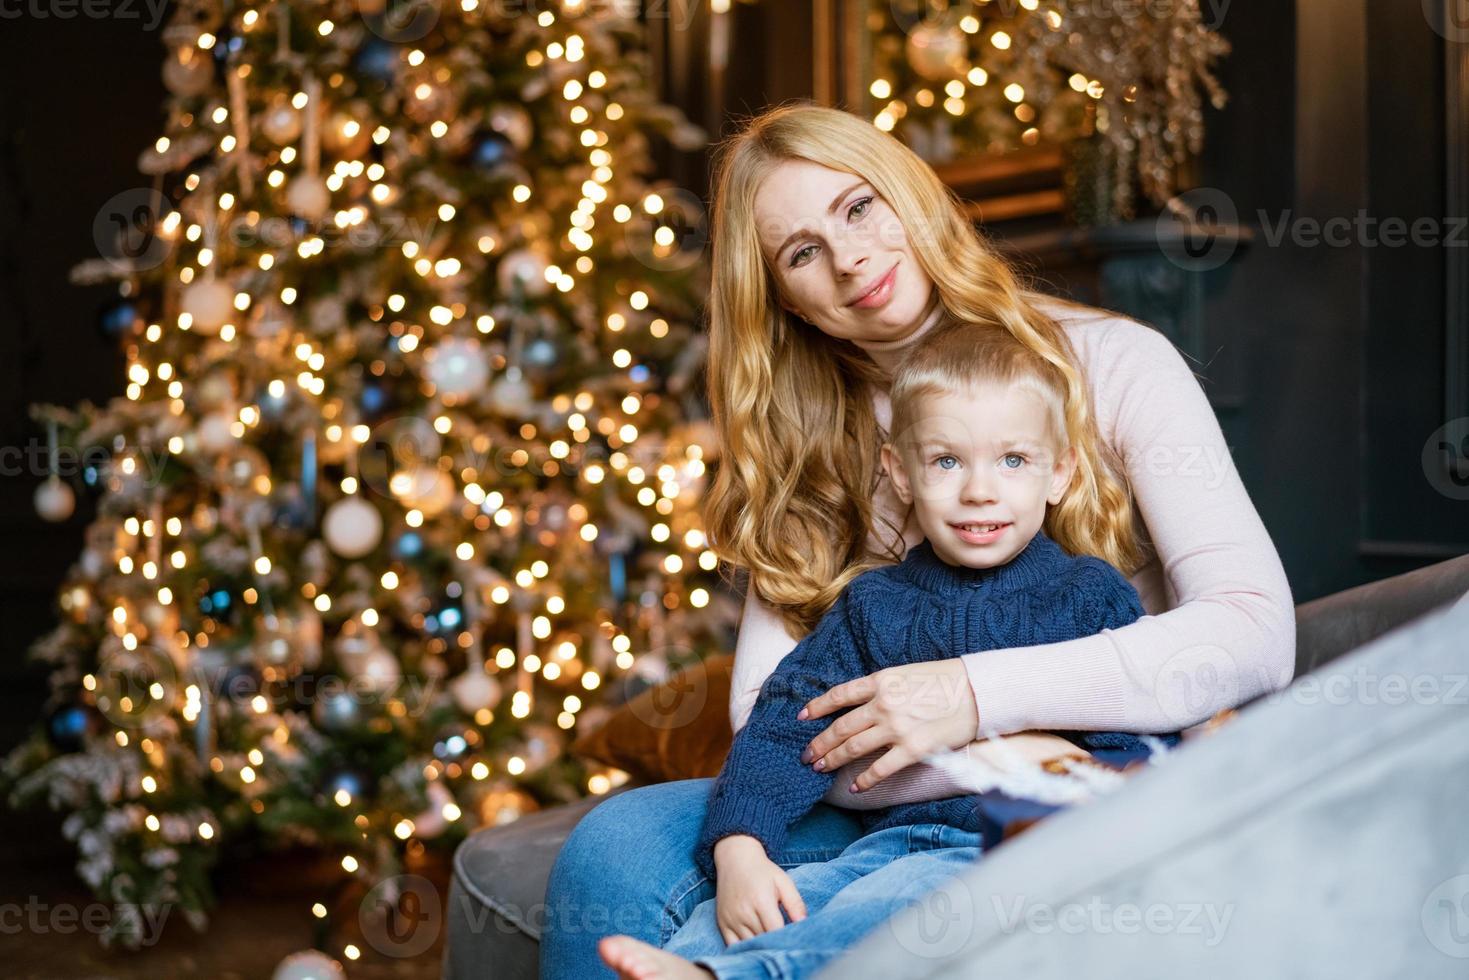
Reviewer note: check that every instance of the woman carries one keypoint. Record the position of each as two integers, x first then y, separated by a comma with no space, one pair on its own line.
834,248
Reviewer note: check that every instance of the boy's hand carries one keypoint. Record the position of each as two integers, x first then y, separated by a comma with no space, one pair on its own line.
751,890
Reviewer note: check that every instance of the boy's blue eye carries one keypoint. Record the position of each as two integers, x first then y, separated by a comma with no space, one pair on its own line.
1013,461
942,461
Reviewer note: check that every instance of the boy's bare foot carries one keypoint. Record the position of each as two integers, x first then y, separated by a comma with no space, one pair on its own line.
634,959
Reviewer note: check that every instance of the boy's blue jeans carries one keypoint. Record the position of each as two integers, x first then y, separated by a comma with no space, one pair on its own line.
628,868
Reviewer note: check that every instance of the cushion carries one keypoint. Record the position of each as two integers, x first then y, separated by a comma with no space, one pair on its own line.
676,729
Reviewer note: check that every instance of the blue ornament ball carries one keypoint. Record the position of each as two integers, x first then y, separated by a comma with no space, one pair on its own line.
355,781
226,44
408,544
69,725
374,398
491,152
377,59
117,318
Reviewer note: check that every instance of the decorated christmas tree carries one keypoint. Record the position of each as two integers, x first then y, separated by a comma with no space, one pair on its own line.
401,495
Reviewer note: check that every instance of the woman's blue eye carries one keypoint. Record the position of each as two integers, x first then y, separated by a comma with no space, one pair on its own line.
795,257
1019,461
864,203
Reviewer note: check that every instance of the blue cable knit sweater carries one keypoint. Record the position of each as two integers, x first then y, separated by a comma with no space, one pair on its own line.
922,609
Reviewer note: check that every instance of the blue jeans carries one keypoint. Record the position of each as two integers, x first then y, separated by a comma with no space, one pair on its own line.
846,898
628,868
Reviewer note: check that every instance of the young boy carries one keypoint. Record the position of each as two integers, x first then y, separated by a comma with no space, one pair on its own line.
980,449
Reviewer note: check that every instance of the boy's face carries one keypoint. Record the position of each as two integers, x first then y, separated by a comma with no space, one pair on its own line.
974,459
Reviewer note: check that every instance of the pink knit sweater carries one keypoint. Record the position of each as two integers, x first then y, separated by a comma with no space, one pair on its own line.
1220,627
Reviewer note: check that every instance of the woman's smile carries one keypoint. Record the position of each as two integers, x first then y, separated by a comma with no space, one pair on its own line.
878,293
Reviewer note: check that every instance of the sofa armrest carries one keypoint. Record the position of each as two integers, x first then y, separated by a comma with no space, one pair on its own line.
1330,626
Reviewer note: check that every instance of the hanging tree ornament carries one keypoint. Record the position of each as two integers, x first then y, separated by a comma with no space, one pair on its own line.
188,71
55,501
281,123
240,157
352,527
457,367
209,302
938,50
522,273
307,195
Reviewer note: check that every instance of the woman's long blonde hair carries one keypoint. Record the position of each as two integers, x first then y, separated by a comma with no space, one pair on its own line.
791,500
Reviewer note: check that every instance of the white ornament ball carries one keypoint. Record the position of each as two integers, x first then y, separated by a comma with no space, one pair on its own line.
474,689
307,197
214,433
282,124
457,367
380,670
511,395
937,52
210,304
525,270
55,500
188,72
352,527
309,964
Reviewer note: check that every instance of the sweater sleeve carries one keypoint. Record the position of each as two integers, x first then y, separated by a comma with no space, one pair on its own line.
763,642
1230,634
764,787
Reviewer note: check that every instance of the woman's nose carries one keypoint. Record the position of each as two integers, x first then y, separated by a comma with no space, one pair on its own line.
850,259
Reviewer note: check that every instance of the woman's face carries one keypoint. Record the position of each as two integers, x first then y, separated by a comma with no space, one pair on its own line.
840,255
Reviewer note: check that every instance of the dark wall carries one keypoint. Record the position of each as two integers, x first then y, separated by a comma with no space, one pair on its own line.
1337,108
79,100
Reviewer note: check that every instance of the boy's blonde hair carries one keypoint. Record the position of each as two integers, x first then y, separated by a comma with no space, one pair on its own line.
955,357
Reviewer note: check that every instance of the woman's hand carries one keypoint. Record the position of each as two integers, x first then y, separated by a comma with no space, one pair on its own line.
912,710
750,890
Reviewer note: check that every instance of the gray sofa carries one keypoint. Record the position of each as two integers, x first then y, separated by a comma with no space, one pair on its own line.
1267,843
